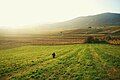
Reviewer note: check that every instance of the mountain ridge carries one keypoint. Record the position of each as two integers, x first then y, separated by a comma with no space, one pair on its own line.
100,20
93,21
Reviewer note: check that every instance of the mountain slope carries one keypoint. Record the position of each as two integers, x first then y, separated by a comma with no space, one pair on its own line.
93,31
100,20
96,21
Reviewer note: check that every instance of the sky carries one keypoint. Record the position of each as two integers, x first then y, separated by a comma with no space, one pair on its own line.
14,13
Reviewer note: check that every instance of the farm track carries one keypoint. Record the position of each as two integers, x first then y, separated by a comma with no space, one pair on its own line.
73,62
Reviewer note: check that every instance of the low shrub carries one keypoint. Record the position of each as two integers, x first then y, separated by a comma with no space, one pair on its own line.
92,39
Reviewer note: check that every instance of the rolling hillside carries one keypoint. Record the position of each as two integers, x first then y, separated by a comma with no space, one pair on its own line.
96,21
105,30
81,24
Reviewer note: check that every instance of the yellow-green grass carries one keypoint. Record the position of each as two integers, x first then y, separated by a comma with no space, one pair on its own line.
72,62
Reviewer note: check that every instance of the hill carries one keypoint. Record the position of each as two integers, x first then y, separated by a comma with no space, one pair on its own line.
96,21
105,30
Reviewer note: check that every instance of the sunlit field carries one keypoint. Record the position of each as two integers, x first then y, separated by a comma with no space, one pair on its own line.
72,62
59,39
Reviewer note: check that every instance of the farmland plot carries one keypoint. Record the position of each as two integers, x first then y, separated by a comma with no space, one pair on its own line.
72,62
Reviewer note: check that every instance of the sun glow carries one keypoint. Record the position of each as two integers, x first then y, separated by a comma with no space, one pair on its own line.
26,12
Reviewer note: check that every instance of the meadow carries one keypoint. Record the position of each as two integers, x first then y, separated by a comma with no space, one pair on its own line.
72,62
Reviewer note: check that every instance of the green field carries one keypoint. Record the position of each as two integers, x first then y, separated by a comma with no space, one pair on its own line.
72,62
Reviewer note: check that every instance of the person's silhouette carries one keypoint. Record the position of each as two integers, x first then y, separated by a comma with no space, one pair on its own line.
53,54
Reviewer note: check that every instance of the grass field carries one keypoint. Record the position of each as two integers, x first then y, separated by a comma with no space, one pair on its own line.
72,62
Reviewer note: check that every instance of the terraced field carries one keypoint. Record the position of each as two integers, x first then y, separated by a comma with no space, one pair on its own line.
72,62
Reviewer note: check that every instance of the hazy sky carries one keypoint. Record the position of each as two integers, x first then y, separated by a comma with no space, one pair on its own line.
26,12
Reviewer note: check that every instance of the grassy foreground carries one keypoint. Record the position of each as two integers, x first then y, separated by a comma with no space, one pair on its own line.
72,62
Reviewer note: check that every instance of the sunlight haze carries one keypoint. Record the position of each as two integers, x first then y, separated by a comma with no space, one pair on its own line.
15,13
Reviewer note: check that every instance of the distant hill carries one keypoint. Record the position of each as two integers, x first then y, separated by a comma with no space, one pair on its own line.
105,30
95,21
77,25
